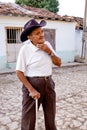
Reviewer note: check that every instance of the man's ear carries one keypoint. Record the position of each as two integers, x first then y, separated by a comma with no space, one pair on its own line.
29,37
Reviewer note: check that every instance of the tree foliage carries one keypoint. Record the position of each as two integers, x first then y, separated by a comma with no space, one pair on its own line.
51,5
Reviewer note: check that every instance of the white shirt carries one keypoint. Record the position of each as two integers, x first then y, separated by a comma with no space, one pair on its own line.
34,62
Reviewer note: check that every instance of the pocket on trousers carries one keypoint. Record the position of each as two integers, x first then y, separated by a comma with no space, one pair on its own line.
52,83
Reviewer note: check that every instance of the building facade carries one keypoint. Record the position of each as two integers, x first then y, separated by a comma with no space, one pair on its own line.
59,31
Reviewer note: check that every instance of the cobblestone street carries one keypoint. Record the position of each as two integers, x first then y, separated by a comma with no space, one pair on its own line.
71,104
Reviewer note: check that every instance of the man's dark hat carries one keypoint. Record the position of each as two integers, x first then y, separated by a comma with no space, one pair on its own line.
29,27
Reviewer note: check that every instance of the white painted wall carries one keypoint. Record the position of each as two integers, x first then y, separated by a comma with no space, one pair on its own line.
65,36
78,42
4,22
65,39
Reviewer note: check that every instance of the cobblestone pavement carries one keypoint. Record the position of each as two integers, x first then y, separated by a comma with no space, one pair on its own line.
71,90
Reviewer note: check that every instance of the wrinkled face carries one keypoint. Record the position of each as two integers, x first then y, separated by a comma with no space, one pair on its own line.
37,36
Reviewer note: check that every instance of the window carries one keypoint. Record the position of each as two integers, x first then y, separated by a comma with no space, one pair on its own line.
13,34
50,36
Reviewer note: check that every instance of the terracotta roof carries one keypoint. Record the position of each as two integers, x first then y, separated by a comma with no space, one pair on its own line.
78,20
16,10
9,9
13,9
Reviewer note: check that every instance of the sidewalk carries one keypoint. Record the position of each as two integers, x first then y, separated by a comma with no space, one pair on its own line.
71,99
71,64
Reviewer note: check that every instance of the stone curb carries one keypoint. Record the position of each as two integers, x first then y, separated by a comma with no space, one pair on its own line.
7,71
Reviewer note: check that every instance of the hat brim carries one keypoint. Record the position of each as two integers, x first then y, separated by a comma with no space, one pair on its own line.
26,32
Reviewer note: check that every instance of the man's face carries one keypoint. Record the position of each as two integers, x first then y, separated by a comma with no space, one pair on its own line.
37,36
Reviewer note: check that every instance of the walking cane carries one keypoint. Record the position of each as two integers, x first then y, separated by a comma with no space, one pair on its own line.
36,104
36,112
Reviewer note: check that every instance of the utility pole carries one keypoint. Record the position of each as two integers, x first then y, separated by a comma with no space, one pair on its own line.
84,37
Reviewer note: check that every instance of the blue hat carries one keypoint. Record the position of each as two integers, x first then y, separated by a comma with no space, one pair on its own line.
29,27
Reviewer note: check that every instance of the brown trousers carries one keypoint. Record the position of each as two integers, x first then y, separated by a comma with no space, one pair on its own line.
47,99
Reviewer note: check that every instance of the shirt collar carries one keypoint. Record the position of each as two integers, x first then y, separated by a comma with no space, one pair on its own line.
32,46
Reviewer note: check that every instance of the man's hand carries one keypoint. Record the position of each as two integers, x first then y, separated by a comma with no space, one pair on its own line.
34,94
44,47
55,59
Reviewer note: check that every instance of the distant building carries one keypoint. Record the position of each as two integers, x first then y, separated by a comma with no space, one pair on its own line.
59,31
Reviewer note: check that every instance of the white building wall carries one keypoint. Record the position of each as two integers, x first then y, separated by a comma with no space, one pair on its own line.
78,41
65,37
4,22
2,45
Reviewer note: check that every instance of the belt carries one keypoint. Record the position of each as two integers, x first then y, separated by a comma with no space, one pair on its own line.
42,77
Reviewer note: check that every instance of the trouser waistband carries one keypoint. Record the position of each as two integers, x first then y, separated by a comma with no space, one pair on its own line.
42,77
